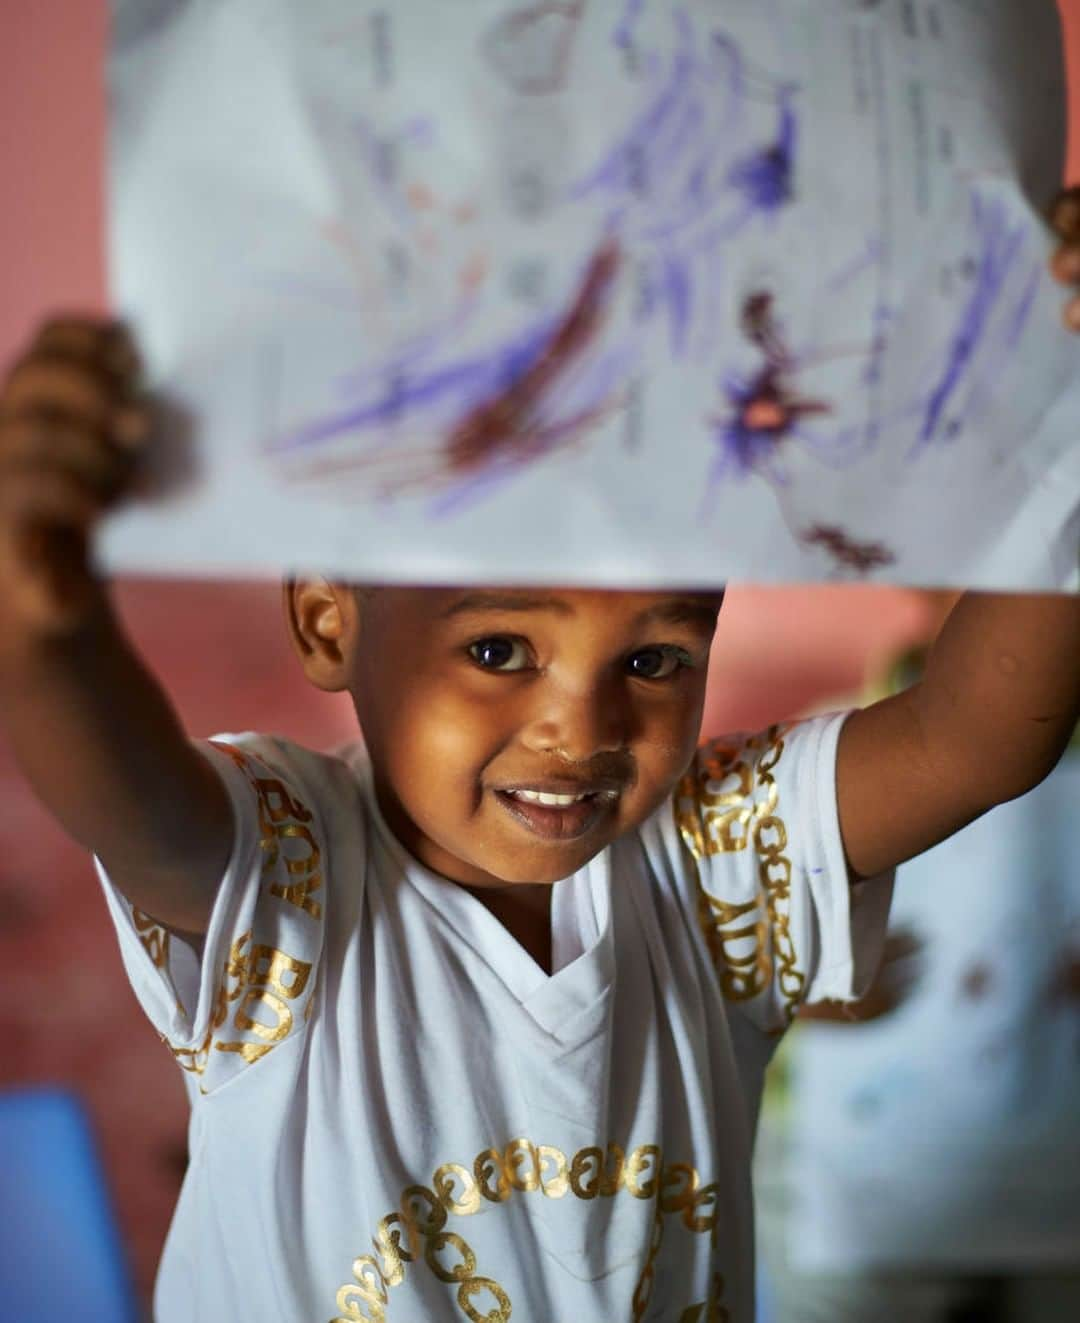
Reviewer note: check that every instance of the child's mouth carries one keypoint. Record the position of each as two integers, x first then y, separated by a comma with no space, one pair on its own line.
558,821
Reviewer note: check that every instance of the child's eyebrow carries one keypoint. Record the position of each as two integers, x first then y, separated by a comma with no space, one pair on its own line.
475,602
683,611
679,611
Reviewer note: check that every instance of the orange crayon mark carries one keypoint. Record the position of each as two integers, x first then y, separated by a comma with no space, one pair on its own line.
473,273
420,197
765,415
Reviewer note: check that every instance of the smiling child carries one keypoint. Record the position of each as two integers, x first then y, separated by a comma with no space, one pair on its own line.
474,1017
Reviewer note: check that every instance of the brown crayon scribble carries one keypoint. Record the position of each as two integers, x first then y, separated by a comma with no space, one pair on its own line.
862,557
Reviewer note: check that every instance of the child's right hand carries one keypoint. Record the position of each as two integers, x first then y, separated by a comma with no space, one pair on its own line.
71,426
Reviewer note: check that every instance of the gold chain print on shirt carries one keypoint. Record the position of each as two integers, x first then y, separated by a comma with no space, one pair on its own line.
417,1229
262,989
728,802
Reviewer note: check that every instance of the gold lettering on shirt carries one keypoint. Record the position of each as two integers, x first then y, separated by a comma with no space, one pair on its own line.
263,980
726,803
262,986
284,835
417,1231
154,939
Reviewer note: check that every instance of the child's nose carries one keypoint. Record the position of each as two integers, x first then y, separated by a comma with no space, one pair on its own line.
579,724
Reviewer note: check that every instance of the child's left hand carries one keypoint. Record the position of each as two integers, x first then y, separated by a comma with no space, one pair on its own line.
1065,263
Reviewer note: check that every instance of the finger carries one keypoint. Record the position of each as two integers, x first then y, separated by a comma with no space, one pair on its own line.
28,442
1065,215
107,345
33,496
56,385
1072,314
1065,264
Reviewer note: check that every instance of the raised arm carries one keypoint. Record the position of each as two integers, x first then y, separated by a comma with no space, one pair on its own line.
990,719
995,710
90,727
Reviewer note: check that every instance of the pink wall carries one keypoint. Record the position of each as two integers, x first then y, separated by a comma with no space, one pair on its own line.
67,1014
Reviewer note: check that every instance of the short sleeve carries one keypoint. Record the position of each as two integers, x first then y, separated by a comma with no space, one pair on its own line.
249,987
760,835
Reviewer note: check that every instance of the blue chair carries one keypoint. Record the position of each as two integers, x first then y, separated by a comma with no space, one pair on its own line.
60,1251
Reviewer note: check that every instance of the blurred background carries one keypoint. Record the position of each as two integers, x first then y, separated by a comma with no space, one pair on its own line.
67,1016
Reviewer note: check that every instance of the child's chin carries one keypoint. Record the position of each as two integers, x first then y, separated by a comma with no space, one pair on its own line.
543,872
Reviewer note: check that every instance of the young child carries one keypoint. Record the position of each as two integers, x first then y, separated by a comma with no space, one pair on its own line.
474,1023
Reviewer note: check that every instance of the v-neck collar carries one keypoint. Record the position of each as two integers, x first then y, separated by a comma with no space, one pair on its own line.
581,928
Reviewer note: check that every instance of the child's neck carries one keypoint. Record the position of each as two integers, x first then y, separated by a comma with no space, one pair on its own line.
524,910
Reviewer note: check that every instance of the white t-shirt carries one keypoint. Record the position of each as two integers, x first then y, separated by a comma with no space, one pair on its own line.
397,1114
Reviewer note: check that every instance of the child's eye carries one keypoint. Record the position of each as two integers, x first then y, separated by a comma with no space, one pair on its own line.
499,654
657,663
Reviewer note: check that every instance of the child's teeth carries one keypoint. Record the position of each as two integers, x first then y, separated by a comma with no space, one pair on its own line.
543,797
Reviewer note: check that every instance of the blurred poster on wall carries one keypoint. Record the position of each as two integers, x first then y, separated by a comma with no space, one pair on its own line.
948,1133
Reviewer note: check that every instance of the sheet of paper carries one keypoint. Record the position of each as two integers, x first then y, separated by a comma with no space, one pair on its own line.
598,291
947,1134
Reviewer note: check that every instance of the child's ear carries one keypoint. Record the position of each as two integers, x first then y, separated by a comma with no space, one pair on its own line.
321,619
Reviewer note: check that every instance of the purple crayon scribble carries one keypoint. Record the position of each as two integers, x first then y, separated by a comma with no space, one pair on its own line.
623,35
636,152
686,176
764,178
1001,247
595,399
399,387
514,414
758,186
678,290
689,150
987,380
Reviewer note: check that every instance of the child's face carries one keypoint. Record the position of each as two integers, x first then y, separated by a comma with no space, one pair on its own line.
467,698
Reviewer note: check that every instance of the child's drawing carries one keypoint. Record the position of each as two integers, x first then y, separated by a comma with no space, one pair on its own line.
531,48
765,411
710,152
1004,276
691,173
689,165
845,551
527,405
754,261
